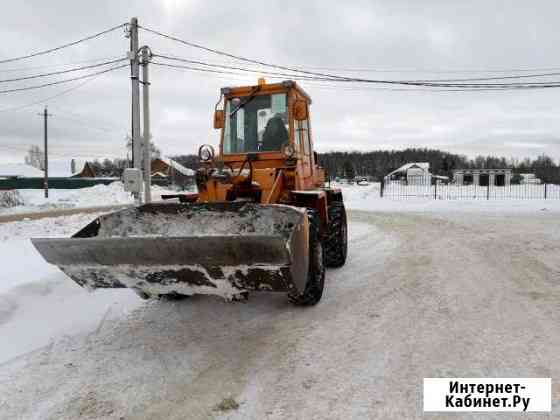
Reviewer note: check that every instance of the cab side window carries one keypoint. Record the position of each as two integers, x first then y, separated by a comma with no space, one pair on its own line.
305,136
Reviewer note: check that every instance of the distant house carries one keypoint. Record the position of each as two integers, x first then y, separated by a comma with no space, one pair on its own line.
414,173
19,170
173,171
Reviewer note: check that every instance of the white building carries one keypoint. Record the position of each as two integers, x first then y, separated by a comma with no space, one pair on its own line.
529,179
414,173
483,177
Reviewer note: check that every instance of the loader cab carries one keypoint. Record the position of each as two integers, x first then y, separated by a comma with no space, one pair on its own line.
269,121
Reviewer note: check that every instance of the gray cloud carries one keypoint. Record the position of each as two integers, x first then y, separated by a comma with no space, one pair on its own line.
93,120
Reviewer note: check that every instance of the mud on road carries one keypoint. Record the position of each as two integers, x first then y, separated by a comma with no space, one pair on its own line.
421,296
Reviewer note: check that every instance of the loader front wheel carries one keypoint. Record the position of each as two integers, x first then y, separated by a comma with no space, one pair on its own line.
336,241
316,273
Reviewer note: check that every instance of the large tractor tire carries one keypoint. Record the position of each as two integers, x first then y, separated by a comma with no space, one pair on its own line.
336,241
316,274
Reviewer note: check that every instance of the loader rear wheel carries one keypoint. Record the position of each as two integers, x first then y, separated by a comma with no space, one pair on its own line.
316,274
336,241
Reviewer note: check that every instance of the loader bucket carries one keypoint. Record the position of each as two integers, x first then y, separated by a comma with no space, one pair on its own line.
200,248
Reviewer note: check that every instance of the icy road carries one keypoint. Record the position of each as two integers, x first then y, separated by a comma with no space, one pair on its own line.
422,295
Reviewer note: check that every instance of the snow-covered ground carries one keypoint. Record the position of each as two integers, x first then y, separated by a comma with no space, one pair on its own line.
356,197
368,198
431,288
98,195
36,296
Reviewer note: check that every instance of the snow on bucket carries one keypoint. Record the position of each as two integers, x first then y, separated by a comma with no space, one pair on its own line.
202,248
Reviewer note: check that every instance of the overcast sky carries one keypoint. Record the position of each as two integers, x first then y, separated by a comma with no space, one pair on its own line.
411,39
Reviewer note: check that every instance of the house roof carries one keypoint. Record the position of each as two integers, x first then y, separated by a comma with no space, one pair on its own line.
21,170
178,167
425,166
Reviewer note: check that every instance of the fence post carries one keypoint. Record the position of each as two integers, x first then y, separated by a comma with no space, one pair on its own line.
435,190
545,190
488,191
382,187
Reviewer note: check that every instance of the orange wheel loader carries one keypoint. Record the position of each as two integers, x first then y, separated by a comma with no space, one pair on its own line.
262,219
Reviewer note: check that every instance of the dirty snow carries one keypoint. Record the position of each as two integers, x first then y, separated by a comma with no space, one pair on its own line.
270,220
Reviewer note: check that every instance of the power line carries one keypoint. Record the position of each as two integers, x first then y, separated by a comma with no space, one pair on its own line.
451,87
174,58
418,70
353,79
70,44
324,83
82,123
63,81
265,72
49,98
35,76
46,66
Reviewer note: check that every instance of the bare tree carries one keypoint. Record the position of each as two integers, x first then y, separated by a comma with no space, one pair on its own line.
155,152
35,157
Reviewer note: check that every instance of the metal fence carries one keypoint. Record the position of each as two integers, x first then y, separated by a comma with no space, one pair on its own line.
403,189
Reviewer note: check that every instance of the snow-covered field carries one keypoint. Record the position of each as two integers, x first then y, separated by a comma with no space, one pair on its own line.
431,288
367,198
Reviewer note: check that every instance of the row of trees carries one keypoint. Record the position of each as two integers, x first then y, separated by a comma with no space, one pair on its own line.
377,164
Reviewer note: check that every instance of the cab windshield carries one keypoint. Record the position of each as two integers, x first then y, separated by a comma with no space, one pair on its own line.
257,124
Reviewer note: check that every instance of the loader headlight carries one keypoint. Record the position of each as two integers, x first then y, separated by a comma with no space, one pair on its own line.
206,153
289,150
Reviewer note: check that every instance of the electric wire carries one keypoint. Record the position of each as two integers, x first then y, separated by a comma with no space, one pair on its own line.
409,70
266,73
452,87
35,76
436,84
71,63
519,76
60,47
49,98
63,80
334,86
79,119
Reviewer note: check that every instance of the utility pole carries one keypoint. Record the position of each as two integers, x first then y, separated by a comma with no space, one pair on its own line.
146,136
45,116
134,76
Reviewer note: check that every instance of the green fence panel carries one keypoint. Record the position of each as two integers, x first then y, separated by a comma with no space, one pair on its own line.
54,183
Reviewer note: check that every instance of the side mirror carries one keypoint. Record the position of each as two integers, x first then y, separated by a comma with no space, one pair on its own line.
219,118
300,110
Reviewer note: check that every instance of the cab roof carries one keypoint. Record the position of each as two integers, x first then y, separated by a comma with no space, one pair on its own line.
265,88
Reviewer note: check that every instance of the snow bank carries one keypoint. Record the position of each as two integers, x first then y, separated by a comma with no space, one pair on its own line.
98,195
37,297
20,261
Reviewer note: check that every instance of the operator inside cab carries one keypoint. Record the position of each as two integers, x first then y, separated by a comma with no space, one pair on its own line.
275,134
256,124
